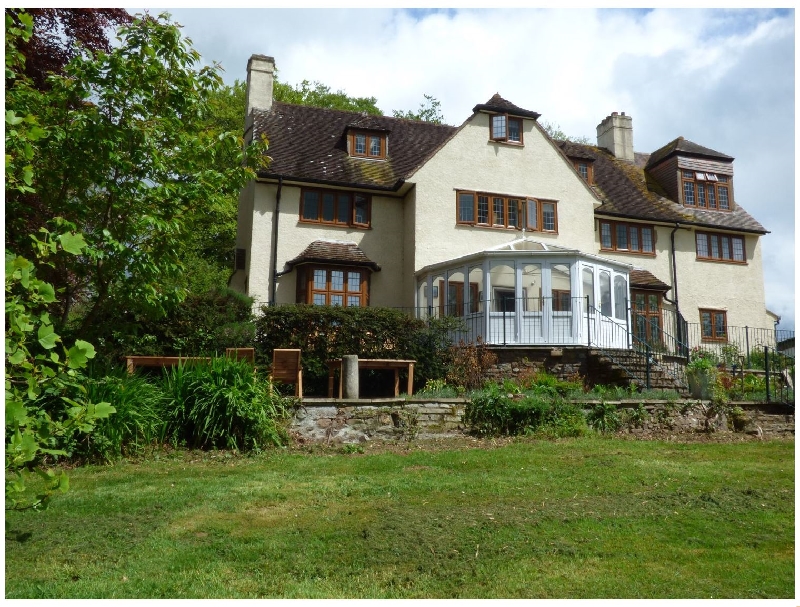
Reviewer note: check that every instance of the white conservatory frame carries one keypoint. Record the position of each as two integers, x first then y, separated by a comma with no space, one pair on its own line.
524,307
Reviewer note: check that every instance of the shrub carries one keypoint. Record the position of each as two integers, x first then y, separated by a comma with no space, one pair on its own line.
604,418
469,363
137,423
203,324
325,332
438,388
223,404
493,412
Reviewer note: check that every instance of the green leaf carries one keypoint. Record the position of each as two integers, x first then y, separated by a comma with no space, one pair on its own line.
72,243
17,357
103,410
47,337
12,118
46,292
16,412
79,354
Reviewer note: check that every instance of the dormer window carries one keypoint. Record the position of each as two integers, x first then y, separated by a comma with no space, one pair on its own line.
709,191
584,167
505,128
366,144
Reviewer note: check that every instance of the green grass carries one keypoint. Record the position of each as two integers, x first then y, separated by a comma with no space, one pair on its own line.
587,517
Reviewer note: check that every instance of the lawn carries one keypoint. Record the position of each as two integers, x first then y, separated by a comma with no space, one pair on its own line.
579,518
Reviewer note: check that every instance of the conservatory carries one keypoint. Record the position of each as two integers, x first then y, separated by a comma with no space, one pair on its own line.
530,293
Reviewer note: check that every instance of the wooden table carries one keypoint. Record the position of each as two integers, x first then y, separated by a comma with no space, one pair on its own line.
374,363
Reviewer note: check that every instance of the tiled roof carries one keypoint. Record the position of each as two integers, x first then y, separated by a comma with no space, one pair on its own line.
334,251
686,148
643,279
627,191
309,144
498,104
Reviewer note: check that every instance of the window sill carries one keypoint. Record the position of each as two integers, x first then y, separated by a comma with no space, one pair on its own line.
725,261
340,226
515,144
373,158
626,252
486,226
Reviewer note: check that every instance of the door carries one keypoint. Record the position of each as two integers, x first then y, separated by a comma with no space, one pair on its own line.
647,317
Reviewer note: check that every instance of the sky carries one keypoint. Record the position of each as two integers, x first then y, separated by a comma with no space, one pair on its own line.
718,77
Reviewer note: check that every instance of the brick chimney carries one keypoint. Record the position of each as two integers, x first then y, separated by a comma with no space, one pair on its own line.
260,77
615,134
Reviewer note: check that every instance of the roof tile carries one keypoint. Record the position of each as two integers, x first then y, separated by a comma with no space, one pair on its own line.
308,143
334,251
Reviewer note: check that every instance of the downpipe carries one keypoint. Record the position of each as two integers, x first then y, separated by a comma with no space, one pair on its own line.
275,219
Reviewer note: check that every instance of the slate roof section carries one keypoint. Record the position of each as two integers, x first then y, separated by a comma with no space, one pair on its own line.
628,192
498,104
642,279
309,144
334,251
684,147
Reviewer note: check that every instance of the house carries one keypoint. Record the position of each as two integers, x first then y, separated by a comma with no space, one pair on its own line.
527,239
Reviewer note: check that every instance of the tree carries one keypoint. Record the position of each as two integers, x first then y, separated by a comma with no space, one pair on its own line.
320,95
429,111
37,375
555,132
130,161
58,33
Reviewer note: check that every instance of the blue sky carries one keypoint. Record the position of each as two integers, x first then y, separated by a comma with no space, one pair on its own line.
719,77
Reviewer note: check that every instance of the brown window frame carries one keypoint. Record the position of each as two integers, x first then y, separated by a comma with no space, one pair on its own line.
505,138
635,227
714,335
589,170
709,236
351,213
351,144
306,290
522,217
719,182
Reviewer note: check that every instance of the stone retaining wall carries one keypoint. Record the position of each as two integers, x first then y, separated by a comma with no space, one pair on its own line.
350,421
354,421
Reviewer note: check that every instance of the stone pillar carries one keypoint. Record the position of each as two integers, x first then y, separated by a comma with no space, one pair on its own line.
349,376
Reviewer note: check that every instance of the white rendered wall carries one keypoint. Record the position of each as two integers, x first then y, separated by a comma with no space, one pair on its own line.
736,288
470,161
383,244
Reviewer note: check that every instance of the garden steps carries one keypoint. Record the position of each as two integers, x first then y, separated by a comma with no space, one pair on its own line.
624,366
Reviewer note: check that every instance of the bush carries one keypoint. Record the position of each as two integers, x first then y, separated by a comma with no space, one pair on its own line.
493,412
202,325
138,421
604,418
324,333
469,363
223,404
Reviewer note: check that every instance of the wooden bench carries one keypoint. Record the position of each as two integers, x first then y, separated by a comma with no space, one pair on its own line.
133,362
374,363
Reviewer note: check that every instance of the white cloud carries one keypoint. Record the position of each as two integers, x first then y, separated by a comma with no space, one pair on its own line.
721,78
